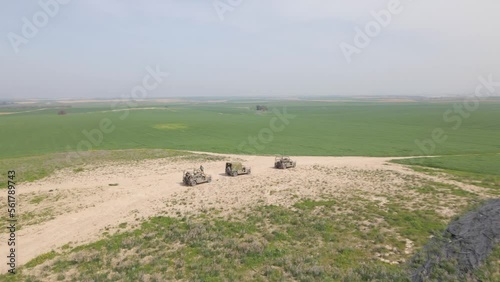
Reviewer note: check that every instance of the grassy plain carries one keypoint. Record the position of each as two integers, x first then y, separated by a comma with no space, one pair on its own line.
481,170
318,128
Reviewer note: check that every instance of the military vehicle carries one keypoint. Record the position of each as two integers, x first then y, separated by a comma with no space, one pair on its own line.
236,168
196,176
284,162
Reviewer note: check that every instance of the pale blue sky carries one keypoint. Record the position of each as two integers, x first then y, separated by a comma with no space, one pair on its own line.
100,49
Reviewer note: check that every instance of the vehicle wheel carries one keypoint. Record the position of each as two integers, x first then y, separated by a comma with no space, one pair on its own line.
209,180
249,171
283,166
193,182
235,173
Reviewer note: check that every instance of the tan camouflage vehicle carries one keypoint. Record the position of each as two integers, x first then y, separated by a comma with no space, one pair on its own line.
195,176
284,162
237,168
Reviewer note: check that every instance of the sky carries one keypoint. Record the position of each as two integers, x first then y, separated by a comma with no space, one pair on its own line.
277,48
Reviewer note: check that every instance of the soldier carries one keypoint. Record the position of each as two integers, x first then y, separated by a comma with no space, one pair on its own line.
201,168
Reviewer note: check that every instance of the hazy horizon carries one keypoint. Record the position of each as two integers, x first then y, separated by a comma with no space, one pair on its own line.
242,97
53,49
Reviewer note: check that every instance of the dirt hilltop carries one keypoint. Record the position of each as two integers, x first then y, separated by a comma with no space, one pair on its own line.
77,207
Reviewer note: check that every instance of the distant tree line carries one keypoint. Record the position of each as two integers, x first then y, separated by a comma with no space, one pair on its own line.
261,108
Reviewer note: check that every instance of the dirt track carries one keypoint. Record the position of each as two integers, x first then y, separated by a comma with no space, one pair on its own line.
77,207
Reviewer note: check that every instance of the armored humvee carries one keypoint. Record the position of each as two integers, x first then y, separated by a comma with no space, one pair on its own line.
237,168
195,176
284,162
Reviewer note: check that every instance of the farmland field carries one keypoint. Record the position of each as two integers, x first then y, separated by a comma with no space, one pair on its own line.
311,128
374,182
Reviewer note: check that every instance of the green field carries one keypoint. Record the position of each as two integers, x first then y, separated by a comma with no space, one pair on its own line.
479,164
317,128
481,170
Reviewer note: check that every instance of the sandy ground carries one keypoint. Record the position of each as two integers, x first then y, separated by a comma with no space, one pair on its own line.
77,207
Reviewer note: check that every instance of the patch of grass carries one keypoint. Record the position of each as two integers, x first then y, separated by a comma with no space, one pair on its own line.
490,270
480,170
34,217
462,193
486,164
41,259
78,169
426,190
442,189
310,204
415,225
332,239
38,199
